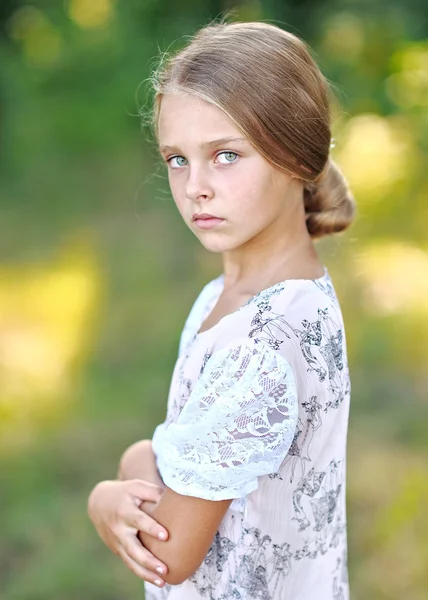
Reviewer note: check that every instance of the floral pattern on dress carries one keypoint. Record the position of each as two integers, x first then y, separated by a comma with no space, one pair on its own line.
288,534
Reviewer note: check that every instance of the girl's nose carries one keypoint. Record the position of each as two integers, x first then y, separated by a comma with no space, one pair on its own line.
198,185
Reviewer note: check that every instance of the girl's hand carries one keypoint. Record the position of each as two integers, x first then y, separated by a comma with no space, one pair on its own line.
114,508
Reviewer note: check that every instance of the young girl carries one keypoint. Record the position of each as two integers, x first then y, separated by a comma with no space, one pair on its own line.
246,475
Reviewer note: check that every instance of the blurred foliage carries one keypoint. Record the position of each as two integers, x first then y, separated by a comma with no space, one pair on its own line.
97,274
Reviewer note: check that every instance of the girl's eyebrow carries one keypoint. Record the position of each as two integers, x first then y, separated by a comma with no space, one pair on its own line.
210,144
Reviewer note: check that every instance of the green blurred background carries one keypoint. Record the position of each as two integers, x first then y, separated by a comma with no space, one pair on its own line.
98,272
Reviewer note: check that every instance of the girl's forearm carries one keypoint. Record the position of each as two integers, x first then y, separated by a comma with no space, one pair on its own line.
139,462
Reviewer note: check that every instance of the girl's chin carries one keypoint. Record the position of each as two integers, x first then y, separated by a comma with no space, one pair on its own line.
213,247
218,245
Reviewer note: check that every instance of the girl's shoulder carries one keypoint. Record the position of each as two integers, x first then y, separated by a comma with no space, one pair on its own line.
294,292
292,298
283,314
293,304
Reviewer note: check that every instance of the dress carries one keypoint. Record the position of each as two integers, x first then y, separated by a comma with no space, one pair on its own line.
258,412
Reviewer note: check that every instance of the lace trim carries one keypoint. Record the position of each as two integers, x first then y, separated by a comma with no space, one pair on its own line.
237,424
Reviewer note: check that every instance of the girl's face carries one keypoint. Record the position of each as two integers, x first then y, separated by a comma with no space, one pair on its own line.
213,169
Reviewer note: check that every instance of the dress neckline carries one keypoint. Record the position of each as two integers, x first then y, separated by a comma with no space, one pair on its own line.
219,281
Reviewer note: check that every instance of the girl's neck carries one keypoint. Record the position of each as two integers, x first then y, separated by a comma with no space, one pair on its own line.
261,269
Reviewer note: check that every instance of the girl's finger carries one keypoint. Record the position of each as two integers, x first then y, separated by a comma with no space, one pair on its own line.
143,522
143,490
135,550
138,570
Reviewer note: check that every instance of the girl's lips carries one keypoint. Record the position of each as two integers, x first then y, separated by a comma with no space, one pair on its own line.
208,223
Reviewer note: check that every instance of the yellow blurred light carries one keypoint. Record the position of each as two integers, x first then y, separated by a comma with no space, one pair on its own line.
395,277
408,87
44,318
414,58
344,36
41,41
374,154
407,505
90,14
389,487
24,20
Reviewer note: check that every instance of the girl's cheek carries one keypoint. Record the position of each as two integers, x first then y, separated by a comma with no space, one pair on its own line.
173,183
174,192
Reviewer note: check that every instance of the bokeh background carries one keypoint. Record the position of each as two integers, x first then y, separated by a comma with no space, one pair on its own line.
98,272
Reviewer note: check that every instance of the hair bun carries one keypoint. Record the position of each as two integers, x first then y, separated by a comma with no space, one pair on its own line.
329,203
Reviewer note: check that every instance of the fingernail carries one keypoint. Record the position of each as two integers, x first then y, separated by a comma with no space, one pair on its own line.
162,535
159,570
158,582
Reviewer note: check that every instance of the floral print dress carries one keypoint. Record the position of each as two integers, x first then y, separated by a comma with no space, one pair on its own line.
258,412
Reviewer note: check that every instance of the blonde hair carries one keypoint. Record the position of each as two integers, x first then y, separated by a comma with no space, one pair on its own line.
266,81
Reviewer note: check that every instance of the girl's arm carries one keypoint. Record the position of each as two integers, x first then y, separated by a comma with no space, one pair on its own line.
236,426
139,462
192,524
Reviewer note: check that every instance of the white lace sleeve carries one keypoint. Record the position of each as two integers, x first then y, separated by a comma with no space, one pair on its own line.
237,424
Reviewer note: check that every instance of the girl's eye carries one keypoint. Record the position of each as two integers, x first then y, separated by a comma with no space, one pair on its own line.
178,159
230,157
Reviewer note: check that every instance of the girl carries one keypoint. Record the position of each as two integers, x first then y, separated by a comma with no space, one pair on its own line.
246,475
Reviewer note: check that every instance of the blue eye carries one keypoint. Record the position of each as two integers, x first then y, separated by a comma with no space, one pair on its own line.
177,158
229,156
